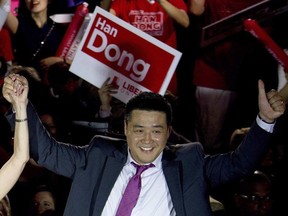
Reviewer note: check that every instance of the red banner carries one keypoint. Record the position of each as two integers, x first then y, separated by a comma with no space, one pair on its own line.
113,48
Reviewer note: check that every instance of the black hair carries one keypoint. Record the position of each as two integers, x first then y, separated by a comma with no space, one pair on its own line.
44,188
246,184
59,74
149,101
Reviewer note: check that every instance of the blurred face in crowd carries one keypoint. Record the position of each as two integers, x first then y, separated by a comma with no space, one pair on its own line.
258,202
43,201
147,133
36,6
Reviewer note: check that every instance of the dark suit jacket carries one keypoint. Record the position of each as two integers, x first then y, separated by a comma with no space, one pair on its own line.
94,168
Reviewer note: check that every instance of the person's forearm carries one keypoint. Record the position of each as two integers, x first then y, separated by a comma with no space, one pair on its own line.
105,4
105,111
11,23
12,169
21,134
9,175
196,7
178,15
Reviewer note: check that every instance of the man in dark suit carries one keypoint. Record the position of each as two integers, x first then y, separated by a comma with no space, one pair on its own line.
182,176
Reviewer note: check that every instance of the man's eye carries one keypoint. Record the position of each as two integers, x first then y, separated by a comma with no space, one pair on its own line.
138,131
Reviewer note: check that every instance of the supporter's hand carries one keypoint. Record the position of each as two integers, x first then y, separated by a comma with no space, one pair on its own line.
196,7
47,62
271,105
15,89
105,94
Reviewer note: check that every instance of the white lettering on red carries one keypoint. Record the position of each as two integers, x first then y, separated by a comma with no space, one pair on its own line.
113,53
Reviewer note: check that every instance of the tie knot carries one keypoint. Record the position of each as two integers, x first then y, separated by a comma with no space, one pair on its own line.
141,168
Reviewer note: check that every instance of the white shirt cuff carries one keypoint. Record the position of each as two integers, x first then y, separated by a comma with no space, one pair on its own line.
269,127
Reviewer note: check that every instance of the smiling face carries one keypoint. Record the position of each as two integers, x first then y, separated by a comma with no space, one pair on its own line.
36,6
147,133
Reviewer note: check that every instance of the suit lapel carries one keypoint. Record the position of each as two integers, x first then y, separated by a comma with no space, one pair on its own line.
171,171
110,174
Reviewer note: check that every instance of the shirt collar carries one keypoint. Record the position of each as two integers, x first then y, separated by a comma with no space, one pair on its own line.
157,162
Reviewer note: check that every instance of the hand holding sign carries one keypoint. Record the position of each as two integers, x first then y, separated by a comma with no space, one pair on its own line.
113,48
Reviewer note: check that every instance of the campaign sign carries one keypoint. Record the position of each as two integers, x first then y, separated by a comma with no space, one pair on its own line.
134,60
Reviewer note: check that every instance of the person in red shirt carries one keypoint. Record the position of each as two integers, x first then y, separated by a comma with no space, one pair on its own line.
225,72
156,18
6,50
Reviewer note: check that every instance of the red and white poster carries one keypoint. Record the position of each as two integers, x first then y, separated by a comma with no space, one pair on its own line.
134,60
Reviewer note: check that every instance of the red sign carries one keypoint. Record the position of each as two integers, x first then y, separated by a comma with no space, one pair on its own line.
135,60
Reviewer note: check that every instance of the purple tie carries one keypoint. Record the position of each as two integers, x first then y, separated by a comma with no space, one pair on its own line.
132,191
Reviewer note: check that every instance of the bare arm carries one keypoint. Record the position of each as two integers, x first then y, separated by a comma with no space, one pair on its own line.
17,89
196,7
112,11
11,22
178,15
105,4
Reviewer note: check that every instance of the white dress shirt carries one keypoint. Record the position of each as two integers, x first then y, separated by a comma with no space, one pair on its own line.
154,198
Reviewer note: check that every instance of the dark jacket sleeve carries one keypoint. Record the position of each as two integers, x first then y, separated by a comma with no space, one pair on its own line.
61,158
244,160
